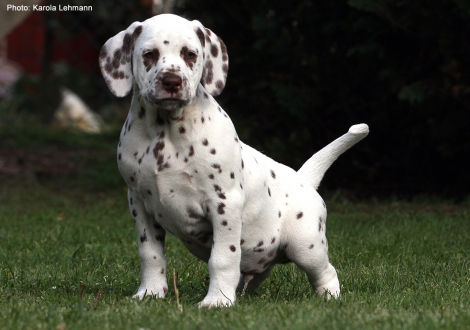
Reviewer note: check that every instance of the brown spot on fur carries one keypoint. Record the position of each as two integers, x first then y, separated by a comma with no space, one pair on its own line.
116,62
160,145
151,58
208,72
214,50
201,37
219,84
188,56
220,208
217,166
224,50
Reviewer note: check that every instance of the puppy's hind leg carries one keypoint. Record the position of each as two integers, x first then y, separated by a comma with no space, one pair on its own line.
327,282
311,255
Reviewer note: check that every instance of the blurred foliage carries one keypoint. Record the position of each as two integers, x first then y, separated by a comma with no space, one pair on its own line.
39,95
106,19
301,72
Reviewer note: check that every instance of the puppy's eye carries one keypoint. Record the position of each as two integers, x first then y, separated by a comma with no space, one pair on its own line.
148,54
191,55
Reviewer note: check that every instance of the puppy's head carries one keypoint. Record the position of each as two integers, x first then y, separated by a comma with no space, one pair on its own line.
166,57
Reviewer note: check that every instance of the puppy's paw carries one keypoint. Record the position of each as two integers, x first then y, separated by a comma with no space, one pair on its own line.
220,301
330,289
157,291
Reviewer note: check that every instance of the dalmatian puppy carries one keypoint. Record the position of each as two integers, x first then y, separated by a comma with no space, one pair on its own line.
189,174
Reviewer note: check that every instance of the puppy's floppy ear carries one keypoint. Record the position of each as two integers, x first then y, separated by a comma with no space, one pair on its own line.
116,60
214,74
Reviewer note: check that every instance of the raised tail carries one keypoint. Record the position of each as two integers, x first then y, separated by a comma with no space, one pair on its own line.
314,169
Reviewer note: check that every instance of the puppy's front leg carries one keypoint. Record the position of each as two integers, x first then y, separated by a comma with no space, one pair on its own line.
224,262
151,241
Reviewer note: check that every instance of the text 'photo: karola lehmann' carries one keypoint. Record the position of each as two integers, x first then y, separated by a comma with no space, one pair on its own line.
11,7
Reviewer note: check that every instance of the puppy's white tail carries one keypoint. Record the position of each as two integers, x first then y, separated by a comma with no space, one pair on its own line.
314,169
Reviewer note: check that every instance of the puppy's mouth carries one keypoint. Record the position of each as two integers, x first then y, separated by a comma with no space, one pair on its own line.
167,103
170,103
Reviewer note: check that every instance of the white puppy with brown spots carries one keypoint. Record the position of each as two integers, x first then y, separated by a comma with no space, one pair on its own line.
190,175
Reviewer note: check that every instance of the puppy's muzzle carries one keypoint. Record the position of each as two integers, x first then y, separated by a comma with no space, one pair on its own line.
172,84
170,92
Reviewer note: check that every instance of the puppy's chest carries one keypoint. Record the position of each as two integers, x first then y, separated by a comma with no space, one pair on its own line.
156,166
168,174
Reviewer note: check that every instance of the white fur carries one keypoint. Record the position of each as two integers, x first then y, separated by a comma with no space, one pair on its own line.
190,175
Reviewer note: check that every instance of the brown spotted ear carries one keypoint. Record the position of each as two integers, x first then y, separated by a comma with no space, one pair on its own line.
215,55
116,60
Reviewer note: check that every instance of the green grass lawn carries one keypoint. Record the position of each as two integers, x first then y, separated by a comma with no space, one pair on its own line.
68,260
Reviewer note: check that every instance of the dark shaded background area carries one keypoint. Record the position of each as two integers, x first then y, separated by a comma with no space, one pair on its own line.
302,72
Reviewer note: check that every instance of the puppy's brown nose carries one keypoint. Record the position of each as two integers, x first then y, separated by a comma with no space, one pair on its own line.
172,83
